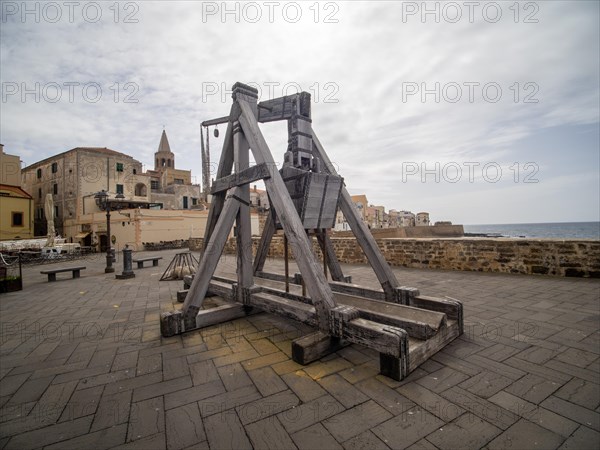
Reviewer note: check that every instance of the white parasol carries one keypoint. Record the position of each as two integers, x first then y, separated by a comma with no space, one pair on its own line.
49,211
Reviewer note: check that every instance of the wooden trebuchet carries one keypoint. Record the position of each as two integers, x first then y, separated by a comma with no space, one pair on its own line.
405,327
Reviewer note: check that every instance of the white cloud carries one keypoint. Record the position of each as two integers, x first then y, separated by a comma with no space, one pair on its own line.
171,54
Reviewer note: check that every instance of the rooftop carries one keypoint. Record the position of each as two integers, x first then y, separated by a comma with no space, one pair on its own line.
83,365
102,150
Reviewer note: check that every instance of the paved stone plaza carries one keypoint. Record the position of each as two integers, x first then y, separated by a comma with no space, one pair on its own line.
83,366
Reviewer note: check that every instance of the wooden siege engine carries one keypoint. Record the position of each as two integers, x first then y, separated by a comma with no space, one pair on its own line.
405,327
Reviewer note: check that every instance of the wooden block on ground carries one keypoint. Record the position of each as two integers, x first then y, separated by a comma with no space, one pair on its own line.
314,346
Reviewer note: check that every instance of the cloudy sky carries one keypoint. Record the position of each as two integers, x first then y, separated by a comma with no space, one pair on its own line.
485,112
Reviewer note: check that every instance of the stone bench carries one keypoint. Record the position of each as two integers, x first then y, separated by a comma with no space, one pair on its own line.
140,261
52,272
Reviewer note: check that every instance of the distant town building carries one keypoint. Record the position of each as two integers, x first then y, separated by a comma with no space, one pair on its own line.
170,186
11,168
259,200
16,205
75,176
361,203
422,219
406,219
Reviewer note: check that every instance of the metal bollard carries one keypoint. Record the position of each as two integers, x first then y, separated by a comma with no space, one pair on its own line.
127,264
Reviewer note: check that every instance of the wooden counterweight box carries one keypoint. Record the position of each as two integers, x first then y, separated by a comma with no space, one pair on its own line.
315,196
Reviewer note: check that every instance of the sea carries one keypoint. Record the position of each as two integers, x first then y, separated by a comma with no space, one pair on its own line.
561,230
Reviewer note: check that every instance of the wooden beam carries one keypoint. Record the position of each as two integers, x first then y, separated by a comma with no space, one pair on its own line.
332,262
241,157
385,339
365,239
451,307
284,307
360,291
220,120
246,176
218,200
220,314
421,350
210,258
314,346
280,200
264,244
283,108
418,323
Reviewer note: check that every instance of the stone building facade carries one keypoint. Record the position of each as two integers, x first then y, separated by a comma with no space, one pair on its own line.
16,205
74,176
170,186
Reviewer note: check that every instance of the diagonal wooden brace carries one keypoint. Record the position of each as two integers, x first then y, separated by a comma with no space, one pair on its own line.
365,239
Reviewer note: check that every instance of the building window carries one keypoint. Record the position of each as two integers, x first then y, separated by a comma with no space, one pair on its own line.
17,219
178,181
39,192
194,201
54,167
154,184
185,202
134,171
39,173
55,210
119,167
40,213
119,188
55,188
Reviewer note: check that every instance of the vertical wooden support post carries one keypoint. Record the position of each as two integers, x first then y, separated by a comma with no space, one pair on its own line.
324,251
241,159
382,270
286,263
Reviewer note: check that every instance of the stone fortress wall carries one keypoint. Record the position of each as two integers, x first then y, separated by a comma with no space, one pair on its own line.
565,258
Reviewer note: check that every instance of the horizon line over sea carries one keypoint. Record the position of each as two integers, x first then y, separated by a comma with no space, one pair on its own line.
559,230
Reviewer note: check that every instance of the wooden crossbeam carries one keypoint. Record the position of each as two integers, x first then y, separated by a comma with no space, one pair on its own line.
283,108
280,200
220,120
247,176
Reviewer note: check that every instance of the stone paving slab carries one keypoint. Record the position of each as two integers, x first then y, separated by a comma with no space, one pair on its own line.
83,365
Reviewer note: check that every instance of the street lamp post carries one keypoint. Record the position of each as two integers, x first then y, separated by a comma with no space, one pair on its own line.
104,204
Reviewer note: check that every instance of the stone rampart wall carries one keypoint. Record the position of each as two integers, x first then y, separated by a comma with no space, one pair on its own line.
571,258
